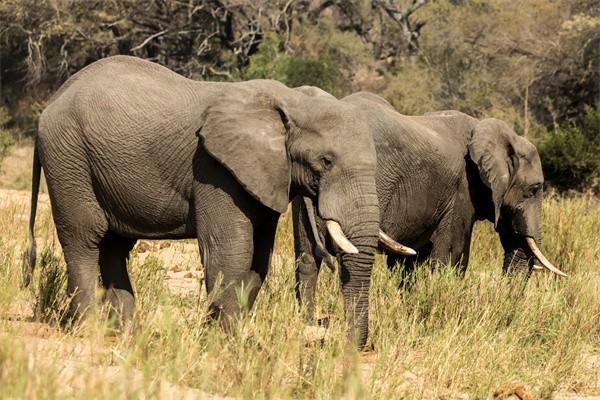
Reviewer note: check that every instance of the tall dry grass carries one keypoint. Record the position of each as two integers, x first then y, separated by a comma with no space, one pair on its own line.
446,338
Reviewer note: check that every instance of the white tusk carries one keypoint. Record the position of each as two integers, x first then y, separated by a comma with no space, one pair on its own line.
336,233
540,256
394,246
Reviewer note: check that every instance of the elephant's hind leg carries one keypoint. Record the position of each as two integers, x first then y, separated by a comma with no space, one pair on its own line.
114,252
80,228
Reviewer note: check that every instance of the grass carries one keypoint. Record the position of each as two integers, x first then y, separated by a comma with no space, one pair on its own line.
446,338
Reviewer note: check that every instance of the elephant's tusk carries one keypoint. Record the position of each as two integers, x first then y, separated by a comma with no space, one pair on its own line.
394,246
540,256
335,230
320,249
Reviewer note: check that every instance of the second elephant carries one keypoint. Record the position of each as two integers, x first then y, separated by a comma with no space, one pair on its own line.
437,175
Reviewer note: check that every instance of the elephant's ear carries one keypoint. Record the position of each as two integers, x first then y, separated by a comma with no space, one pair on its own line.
246,133
491,149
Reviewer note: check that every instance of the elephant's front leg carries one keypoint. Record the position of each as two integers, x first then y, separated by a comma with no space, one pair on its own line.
452,240
235,246
307,264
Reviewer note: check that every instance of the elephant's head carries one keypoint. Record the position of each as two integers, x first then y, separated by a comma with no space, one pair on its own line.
509,167
279,143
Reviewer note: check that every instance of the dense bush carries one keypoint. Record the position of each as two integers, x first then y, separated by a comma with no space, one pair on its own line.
571,153
6,135
270,62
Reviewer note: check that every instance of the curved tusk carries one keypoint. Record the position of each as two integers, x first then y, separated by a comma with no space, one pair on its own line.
394,246
320,250
540,256
335,230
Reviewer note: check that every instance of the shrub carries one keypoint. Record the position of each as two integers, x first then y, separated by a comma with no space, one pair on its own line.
6,135
571,154
271,62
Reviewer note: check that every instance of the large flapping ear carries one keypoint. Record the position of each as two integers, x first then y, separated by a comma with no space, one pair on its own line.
246,132
491,149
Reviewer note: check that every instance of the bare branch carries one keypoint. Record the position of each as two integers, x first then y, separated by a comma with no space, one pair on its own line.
149,39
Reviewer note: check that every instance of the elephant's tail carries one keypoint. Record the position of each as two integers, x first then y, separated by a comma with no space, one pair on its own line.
29,262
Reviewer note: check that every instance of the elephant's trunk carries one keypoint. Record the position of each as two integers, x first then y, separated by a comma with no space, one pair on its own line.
521,240
517,260
354,207
355,273
355,276
517,257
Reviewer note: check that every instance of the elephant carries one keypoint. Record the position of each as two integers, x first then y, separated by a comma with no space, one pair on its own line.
132,150
437,174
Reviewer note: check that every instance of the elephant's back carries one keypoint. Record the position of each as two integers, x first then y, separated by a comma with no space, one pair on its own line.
133,123
454,127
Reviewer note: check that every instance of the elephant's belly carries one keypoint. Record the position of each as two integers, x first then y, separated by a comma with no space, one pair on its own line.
147,213
145,223
412,223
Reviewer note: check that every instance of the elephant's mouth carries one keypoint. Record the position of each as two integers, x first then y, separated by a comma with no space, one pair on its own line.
341,241
537,253
320,249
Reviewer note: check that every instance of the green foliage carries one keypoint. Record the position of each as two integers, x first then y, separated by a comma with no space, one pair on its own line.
271,62
308,71
412,90
6,134
571,154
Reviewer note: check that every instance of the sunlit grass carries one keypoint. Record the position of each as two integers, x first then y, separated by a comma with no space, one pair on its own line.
446,338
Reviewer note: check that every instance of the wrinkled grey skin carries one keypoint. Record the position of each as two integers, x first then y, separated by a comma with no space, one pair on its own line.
132,150
436,175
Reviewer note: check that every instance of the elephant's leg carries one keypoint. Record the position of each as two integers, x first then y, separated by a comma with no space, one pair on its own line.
114,252
307,264
451,241
264,239
226,239
307,274
230,280
80,228
82,277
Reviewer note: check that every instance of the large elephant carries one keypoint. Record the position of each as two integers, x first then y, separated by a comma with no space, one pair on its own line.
133,150
437,175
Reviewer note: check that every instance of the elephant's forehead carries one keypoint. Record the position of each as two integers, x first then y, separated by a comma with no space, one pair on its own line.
330,119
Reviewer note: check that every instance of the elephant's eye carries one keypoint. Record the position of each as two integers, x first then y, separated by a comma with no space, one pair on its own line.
533,190
326,161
